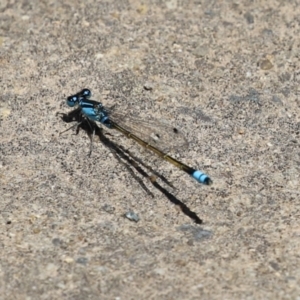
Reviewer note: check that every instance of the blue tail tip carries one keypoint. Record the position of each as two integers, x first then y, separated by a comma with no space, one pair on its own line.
202,178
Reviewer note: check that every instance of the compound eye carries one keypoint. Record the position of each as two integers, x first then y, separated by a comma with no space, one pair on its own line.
72,101
86,93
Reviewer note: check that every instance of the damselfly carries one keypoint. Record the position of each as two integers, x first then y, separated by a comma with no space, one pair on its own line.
154,136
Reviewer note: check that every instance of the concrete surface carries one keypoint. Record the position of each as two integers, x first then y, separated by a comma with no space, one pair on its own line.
227,74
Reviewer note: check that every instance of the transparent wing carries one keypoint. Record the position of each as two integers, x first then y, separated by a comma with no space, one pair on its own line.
156,133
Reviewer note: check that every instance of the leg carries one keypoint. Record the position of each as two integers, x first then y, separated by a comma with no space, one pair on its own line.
76,125
91,145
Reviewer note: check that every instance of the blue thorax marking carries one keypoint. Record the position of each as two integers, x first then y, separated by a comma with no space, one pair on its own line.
94,111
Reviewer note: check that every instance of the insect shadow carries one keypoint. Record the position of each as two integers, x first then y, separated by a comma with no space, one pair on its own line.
130,161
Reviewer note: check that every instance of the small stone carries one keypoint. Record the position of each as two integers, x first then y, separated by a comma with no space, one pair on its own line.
108,208
159,271
285,77
69,260
56,242
4,112
274,265
160,98
148,86
248,74
249,18
25,18
82,260
99,55
276,99
198,234
265,64
201,51
218,73
142,9
132,216
51,270
171,4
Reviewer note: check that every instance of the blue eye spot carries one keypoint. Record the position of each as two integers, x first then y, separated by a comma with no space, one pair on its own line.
86,93
72,101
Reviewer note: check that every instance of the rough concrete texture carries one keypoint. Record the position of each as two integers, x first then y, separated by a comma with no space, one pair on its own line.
224,72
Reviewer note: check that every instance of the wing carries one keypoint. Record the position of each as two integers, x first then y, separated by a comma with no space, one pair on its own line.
156,133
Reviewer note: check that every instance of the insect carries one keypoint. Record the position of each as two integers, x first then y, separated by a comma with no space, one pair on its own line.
151,135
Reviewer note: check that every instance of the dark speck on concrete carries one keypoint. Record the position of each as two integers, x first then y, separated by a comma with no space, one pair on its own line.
249,17
82,260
